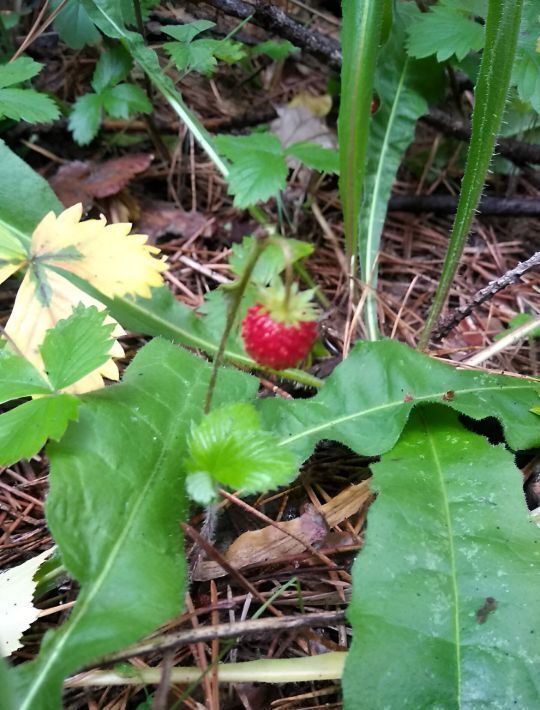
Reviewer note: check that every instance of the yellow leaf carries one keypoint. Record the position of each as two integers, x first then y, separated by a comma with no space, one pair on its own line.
111,259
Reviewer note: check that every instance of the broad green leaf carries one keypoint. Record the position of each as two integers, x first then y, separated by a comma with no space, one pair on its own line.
17,181
124,100
258,171
191,57
229,446
326,160
22,69
271,263
8,687
27,105
113,66
403,86
116,479
367,400
73,24
85,118
25,429
186,33
526,69
445,607
446,29
76,346
19,378
360,36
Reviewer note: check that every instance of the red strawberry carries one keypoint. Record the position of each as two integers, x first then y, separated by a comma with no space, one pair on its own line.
280,332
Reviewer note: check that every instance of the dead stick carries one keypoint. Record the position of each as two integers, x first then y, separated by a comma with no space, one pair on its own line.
485,294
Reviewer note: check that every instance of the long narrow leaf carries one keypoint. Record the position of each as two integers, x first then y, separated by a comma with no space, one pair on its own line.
403,86
361,33
502,28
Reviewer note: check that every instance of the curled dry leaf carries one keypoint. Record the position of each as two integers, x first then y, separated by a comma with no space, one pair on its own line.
158,218
270,544
80,181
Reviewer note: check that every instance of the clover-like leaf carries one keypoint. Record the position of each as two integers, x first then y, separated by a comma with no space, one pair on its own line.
229,446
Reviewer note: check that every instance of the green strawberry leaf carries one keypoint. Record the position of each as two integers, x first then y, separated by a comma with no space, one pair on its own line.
113,66
21,69
271,263
275,49
74,25
76,346
229,446
186,33
19,378
25,429
21,103
85,118
326,160
123,100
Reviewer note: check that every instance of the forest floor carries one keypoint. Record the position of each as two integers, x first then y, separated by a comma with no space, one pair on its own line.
179,199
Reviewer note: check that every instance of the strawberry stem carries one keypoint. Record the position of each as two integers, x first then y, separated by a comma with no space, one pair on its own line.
237,292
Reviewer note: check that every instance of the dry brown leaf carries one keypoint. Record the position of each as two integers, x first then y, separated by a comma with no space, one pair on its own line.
158,218
79,181
271,543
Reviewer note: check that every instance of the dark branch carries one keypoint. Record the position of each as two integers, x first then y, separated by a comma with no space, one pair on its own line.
510,277
447,204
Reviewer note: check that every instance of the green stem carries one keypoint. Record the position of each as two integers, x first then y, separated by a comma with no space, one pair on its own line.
234,306
502,28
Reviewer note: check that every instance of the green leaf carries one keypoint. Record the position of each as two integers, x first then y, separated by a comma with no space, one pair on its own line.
21,69
229,446
403,86
76,346
108,16
27,105
445,30
73,24
19,378
367,400
25,429
360,37
125,502
85,118
124,100
186,33
447,578
275,49
526,69
258,170
17,181
197,56
113,66
326,160
8,686
271,263
516,322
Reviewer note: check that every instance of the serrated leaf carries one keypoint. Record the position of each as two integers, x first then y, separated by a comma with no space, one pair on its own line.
113,66
229,446
126,504
445,30
196,56
17,71
17,611
74,25
76,346
526,76
124,100
275,49
85,118
25,429
108,256
19,378
186,33
258,170
447,578
27,105
271,262
326,160
367,400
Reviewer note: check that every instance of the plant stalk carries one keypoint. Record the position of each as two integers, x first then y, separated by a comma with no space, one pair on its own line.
502,28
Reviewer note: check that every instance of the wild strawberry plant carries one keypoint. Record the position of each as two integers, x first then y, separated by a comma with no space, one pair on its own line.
443,606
